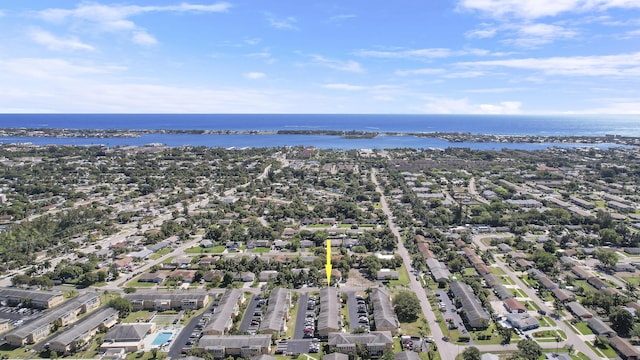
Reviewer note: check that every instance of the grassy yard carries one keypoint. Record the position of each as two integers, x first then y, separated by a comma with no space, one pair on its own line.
634,280
531,304
582,328
157,255
494,339
507,280
137,315
606,350
526,281
519,293
291,324
470,272
416,328
497,270
200,250
260,250
403,277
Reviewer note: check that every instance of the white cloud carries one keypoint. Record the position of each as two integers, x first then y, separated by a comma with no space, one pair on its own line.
463,106
1,13
464,74
430,53
346,87
493,90
53,42
537,34
540,8
425,71
115,18
348,65
255,75
613,107
424,54
287,23
608,65
142,37
483,33
339,19
52,69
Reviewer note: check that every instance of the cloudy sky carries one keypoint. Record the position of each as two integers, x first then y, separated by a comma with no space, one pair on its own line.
294,56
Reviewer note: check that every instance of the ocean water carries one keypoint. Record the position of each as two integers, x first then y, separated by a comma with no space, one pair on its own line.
475,124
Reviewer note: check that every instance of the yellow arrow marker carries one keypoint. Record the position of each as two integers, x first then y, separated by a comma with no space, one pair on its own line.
328,266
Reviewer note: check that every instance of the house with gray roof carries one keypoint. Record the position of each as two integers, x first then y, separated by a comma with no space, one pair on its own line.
523,321
376,342
473,312
74,338
383,314
228,307
600,328
438,270
578,310
244,346
127,336
328,317
275,319
502,291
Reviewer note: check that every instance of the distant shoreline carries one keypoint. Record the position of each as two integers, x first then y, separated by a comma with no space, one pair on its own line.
454,137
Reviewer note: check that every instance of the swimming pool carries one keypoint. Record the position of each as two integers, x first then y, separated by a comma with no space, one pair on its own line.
162,338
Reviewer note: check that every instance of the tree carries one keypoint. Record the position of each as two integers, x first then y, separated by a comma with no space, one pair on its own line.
123,306
607,258
407,306
621,321
529,349
471,353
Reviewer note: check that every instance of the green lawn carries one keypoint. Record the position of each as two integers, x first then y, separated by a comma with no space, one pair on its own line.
519,293
416,328
157,255
137,315
507,280
291,324
260,250
633,280
531,304
497,270
583,328
470,272
200,250
403,277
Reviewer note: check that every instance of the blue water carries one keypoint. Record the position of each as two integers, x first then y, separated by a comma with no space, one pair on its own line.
162,338
475,124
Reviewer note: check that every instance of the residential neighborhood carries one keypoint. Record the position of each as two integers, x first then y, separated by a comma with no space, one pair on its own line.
194,252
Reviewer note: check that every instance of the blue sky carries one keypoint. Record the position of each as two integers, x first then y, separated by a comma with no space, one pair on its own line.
356,56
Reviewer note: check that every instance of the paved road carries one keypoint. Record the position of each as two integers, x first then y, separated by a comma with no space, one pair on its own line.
447,350
474,192
302,312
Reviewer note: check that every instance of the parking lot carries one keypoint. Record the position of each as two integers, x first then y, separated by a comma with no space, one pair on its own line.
448,310
307,317
358,312
17,315
298,346
253,315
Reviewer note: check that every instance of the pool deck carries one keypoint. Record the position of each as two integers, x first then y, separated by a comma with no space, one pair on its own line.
148,341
